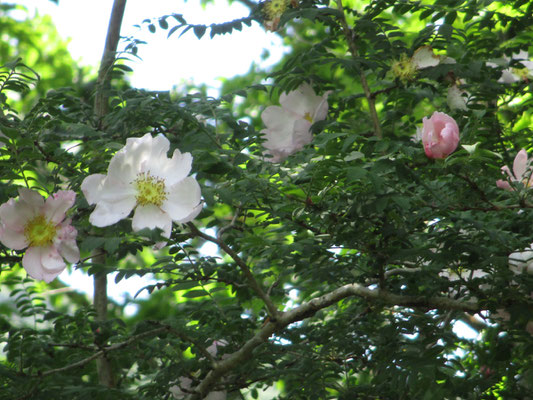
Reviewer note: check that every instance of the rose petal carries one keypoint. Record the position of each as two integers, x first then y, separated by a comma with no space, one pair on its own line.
31,197
503,185
150,216
57,205
106,214
302,134
302,101
66,243
175,169
31,261
520,165
14,239
280,128
15,214
182,199
92,187
424,57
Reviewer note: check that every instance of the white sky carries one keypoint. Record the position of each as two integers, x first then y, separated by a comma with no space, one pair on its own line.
166,62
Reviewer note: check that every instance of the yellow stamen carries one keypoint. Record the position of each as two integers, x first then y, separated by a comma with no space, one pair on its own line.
150,190
404,69
522,73
275,8
39,231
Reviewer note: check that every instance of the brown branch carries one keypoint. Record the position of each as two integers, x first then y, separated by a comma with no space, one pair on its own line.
353,49
103,366
101,100
307,310
101,105
272,309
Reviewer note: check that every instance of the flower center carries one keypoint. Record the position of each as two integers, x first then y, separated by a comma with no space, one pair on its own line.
308,117
40,232
522,73
274,8
403,69
150,190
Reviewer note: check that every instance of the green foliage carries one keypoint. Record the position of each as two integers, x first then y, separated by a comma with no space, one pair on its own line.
425,238
36,42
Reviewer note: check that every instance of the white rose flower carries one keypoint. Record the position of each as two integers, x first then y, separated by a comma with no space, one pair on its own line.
141,177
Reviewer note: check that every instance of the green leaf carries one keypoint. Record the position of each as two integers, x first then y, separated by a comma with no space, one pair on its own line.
195,293
199,30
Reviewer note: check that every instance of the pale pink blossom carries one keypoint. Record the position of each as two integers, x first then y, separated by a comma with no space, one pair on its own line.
141,177
41,227
440,135
522,172
288,128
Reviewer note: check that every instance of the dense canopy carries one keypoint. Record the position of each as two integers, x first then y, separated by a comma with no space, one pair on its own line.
369,199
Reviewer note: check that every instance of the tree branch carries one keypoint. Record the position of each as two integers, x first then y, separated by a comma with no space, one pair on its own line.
353,49
101,105
105,373
101,100
272,309
307,310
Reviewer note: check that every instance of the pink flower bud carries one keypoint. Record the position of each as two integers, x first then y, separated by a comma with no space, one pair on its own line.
440,135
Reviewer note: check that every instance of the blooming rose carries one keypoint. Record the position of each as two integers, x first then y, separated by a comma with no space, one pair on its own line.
40,226
406,69
142,177
521,169
440,135
288,128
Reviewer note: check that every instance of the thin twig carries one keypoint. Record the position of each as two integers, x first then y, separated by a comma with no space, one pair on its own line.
102,352
230,225
353,49
272,309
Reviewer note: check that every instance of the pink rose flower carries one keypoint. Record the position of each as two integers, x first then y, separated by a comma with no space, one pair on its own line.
440,135
522,172
39,225
288,128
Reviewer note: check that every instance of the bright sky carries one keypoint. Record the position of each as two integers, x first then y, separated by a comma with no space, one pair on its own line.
165,62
